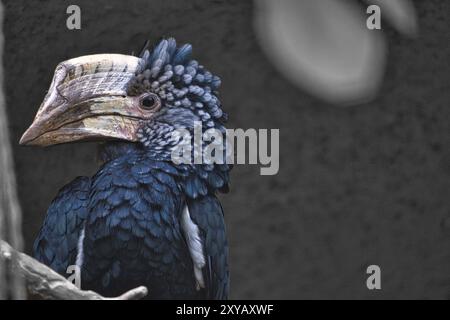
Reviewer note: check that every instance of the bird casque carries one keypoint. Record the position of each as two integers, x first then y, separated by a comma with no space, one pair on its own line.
141,219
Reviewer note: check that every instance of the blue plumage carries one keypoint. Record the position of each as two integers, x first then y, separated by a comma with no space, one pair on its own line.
56,244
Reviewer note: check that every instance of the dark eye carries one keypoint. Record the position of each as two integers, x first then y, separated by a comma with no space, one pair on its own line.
150,102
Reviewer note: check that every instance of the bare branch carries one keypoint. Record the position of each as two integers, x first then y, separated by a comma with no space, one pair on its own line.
43,281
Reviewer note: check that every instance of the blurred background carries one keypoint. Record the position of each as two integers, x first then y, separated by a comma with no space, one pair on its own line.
367,183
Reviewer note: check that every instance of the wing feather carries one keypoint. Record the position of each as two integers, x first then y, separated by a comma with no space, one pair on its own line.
57,241
207,214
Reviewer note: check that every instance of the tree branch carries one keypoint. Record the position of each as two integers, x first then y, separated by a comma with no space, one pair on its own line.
43,281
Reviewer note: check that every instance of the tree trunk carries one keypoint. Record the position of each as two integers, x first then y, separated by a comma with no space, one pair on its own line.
11,285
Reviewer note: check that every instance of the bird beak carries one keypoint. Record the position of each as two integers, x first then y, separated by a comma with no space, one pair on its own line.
100,118
88,100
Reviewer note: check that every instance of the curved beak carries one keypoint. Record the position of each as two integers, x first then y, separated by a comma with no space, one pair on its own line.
88,100
99,118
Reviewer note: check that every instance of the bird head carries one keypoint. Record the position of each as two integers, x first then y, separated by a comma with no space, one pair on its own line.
119,97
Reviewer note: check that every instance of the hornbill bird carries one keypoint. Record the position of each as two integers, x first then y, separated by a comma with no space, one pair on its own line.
142,219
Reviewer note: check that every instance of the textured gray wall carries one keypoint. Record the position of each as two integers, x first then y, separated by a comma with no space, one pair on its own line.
357,186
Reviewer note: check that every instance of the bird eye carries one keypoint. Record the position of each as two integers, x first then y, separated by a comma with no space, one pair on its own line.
150,102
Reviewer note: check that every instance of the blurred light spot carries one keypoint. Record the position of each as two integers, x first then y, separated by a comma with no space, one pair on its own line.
324,46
